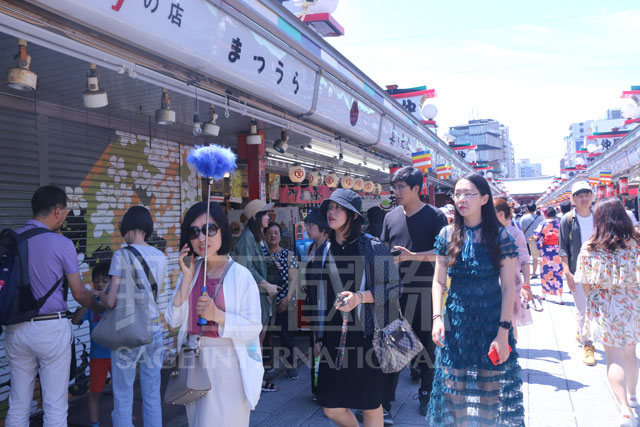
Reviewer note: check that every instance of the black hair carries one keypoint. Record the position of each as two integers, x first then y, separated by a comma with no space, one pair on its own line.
46,199
531,207
550,212
490,224
100,270
353,225
274,224
137,218
565,207
255,226
409,175
217,214
323,228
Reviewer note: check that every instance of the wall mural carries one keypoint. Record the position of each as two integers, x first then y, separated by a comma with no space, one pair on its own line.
133,170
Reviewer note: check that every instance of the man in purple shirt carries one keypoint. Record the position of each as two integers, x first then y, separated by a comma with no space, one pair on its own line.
43,344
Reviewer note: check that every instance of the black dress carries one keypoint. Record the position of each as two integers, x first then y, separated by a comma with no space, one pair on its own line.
360,384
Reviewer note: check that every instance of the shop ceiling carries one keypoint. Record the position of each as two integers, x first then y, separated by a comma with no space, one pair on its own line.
132,104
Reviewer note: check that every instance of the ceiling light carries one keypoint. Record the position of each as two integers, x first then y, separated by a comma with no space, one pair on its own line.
20,78
254,138
281,144
211,128
93,97
165,115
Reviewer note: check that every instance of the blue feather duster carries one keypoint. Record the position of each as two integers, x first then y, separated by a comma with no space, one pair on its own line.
212,161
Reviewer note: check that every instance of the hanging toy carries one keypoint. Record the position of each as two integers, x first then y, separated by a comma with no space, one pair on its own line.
213,162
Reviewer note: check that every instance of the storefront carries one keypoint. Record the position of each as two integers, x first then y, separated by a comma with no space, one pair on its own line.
176,75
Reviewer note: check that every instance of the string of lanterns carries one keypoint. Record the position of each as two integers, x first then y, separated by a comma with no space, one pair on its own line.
297,174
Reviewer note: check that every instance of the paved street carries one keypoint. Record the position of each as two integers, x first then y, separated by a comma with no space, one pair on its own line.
559,390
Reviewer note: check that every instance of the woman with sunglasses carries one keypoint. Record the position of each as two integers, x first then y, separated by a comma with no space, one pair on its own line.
521,316
477,378
229,340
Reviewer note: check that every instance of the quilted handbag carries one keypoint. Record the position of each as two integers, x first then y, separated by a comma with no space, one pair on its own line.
395,344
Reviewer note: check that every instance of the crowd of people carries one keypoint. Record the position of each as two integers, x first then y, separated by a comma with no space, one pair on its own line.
460,275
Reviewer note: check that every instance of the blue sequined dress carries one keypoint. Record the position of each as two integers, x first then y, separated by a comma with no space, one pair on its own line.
467,388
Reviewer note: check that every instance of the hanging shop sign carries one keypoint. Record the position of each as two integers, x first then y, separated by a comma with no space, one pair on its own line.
345,112
397,140
416,102
203,37
298,194
274,186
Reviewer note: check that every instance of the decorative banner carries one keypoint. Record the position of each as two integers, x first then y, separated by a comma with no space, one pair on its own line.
414,100
297,194
235,192
594,180
459,147
443,171
609,191
624,186
422,160
605,177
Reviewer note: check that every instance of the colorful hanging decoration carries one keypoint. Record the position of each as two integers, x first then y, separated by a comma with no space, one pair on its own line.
422,160
443,171
605,177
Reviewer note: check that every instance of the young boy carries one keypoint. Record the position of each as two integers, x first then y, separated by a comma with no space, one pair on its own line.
100,363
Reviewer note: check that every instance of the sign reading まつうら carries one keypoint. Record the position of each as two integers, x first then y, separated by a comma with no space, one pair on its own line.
202,37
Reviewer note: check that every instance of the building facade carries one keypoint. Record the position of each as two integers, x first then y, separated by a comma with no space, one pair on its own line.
526,169
494,145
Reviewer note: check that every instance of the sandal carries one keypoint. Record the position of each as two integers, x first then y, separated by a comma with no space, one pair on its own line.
268,387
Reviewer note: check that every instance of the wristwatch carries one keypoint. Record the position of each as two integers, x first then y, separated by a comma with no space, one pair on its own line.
506,325
361,297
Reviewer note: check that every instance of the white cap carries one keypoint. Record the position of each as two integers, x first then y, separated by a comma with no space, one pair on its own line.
255,206
579,186
446,212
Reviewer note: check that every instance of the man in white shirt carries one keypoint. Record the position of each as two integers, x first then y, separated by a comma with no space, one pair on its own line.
576,227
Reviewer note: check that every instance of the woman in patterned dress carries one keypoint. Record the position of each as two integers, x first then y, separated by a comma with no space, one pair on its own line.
480,257
546,236
287,279
608,267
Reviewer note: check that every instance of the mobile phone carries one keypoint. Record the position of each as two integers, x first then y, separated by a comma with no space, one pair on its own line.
493,355
396,252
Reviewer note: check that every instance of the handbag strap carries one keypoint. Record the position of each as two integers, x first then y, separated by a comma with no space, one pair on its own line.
147,271
378,291
215,295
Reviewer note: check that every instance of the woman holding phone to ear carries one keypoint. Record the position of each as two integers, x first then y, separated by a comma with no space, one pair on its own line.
480,257
229,341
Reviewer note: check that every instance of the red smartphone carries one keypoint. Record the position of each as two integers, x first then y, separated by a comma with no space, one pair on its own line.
493,355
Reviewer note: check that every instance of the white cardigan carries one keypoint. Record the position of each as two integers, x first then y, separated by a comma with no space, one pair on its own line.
242,324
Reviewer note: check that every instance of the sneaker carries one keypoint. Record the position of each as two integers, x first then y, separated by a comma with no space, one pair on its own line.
388,420
628,420
633,401
423,397
589,357
292,374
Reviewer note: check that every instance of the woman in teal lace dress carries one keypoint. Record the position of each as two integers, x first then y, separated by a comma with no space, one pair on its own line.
480,257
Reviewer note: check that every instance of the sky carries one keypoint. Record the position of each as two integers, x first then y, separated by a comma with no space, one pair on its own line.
536,67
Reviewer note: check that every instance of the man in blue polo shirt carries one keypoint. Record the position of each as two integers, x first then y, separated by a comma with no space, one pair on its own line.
43,344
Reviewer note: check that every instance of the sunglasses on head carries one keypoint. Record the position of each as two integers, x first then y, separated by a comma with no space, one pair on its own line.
208,230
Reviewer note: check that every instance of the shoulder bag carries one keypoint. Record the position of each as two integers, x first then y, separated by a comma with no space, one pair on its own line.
129,323
189,380
396,343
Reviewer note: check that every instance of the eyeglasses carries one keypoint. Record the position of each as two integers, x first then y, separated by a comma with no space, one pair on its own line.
209,230
460,196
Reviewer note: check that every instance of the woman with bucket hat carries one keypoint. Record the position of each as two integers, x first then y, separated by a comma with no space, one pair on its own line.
349,376
251,252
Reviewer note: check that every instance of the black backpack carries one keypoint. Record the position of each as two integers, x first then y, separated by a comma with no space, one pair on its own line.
17,302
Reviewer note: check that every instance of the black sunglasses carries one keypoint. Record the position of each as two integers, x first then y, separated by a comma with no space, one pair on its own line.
208,230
